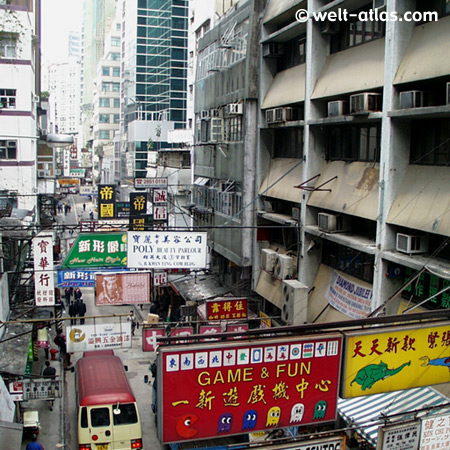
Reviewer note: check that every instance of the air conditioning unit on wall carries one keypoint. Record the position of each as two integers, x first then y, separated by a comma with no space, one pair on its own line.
268,257
235,108
411,99
270,115
448,94
284,266
336,108
411,244
333,223
294,306
271,206
365,103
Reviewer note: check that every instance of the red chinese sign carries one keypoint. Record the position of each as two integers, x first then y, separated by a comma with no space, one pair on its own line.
226,308
149,336
213,390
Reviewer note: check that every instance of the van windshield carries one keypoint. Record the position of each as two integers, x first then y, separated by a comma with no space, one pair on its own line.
127,416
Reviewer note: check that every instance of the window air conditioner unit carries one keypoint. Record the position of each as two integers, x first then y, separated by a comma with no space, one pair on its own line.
329,27
283,267
217,130
336,108
268,257
448,94
411,99
235,108
365,103
204,114
411,244
295,213
271,206
216,112
286,114
333,223
41,173
294,304
273,50
270,115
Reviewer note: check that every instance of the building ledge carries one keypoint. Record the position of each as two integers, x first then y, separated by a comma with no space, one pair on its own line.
426,112
282,219
347,118
417,262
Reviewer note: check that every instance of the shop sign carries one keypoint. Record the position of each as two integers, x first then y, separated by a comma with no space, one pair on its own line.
182,331
435,432
16,390
336,443
245,386
399,437
397,358
226,308
159,212
265,320
167,250
149,336
122,288
81,338
97,250
106,201
41,389
210,329
44,280
68,182
348,297
237,328
159,195
88,190
160,279
146,183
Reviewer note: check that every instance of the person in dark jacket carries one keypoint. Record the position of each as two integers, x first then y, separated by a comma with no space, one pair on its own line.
73,311
81,310
49,372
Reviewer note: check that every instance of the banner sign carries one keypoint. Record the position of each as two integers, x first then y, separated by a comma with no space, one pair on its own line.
123,210
395,359
41,389
226,308
106,201
149,335
159,278
237,328
68,182
159,212
76,278
235,388
88,190
167,250
210,329
348,297
182,331
399,437
335,443
435,433
97,250
138,203
44,279
159,195
122,288
81,338
146,183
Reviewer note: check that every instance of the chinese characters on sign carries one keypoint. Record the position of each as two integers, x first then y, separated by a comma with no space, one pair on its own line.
106,201
44,281
397,359
435,433
97,250
41,389
149,336
404,437
166,250
229,389
226,308
160,279
82,338
140,217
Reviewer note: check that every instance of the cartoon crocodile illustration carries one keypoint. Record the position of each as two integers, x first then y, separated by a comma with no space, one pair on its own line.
369,375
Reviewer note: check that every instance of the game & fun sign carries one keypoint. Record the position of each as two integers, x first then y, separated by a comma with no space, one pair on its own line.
395,359
166,250
213,390
97,250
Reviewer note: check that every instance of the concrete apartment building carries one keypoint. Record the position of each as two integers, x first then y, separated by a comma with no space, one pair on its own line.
351,150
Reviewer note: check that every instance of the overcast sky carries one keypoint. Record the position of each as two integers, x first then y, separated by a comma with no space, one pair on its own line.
58,18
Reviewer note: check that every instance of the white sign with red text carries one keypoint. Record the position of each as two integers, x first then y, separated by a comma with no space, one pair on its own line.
44,281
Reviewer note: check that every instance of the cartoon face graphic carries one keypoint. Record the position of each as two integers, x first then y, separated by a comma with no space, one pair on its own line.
320,409
249,420
297,413
225,421
273,416
184,426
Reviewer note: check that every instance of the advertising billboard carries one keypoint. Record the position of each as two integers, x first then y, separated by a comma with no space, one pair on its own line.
221,389
122,288
97,250
396,358
167,250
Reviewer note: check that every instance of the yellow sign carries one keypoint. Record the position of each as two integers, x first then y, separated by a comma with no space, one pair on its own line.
265,319
396,358
68,181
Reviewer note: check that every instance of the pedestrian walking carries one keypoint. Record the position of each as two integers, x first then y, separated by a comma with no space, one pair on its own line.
60,341
81,310
78,294
132,319
34,444
73,311
91,215
49,372
84,206
67,296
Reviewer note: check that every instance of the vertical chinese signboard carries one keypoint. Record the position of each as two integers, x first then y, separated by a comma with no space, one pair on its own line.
44,282
236,388
395,359
140,220
106,201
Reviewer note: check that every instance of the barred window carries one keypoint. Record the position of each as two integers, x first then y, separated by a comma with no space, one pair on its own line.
8,47
8,98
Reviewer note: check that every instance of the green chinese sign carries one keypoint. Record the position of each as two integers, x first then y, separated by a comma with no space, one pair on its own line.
97,250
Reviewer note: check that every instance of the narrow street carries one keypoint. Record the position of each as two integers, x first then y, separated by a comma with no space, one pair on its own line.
59,427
